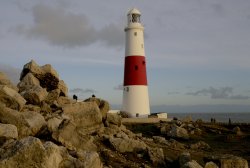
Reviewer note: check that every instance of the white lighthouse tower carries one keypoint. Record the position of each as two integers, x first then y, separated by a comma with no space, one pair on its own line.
135,91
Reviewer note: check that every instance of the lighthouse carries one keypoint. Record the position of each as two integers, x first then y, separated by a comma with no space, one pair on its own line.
135,87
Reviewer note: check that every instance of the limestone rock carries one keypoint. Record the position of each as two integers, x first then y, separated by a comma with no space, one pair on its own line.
64,100
127,145
4,80
54,123
50,70
35,95
102,104
161,140
211,165
30,152
228,161
156,155
69,136
191,164
90,159
11,98
114,118
184,158
85,115
27,82
178,132
8,131
31,67
27,123
63,88
52,96
200,146
237,130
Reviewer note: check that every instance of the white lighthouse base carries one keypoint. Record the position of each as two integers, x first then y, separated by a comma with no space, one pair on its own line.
136,101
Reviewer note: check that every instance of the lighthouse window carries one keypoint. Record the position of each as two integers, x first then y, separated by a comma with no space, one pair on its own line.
135,18
135,33
136,67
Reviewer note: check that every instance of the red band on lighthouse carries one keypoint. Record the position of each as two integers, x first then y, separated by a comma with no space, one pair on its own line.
135,71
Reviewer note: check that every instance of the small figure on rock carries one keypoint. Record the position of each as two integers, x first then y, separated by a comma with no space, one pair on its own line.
75,97
93,95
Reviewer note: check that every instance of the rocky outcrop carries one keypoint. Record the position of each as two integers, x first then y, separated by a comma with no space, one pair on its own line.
8,131
27,82
35,94
113,118
30,152
4,80
211,165
27,123
127,145
11,98
102,104
178,132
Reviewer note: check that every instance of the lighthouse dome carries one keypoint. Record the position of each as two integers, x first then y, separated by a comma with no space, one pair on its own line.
134,11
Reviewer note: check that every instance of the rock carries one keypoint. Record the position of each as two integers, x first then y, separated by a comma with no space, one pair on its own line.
50,70
127,145
85,115
63,88
64,100
156,155
191,164
165,129
53,123
176,145
71,138
200,146
184,158
8,131
161,140
90,159
31,67
196,131
27,82
48,81
114,118
211,165
11,98
230,161
27,123
30,152
35,95
237,130
102,104
52,96
178,132
4,80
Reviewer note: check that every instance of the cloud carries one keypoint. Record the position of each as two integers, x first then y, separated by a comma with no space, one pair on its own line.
81,92
173,93
63,28
12,73
118,87
218,93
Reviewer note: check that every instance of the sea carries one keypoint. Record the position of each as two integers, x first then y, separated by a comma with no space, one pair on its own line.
219,117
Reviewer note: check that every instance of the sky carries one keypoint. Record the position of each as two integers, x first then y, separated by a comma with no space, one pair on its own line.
197,51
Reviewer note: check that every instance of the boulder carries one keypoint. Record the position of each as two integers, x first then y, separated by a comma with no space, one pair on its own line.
27,123
127,145
31,67
35,95
191,164
237,130
230,161
90,159
114,118
53,123
178,132
50,70
156,155
63,88
211,165
160,140
30,152
176,145
184,158
27,82
102,104
4,80
11,98
69,135
52,96
201,145
85,115
8,131
64,100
